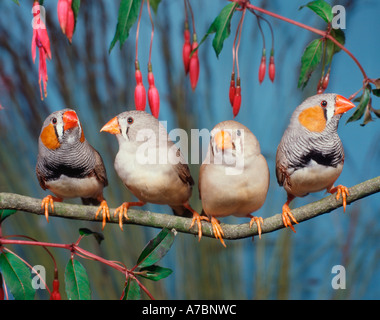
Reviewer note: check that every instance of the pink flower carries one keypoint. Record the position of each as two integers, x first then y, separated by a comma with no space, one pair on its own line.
140,93
66,17
153,96
41,41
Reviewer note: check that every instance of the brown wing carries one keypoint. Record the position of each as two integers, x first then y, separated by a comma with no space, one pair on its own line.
41,179
184,171
100,169
281,172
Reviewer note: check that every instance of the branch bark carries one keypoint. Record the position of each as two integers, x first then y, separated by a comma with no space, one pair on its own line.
180,224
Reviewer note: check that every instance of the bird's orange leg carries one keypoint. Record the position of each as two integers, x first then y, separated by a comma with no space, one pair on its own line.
217,230
259,221
341,190
105,212
123,210
196,218
287,214
45,204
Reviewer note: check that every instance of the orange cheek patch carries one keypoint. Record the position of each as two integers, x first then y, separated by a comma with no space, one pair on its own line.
313,119
49,137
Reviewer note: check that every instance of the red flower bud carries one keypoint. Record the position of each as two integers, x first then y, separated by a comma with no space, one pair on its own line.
272,68
237,99
55,295
262,69
232,89
186,50
325,81
194,66
153,96
140,93
66,17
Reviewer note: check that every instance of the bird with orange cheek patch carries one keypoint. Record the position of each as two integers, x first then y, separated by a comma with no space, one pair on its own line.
310,155
68,165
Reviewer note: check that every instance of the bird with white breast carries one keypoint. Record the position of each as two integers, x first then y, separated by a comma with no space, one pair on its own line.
310,155
68,165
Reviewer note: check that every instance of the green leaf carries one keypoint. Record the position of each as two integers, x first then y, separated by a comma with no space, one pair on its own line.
75,6
131,290
76,281
309,61
6,213
376,92
87,232
321,8
154,4
156,248
16,2
17,276
331,47
221,27
362,105
155,273
127,15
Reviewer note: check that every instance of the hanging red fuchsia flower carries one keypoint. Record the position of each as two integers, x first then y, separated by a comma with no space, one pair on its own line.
262,68
272,68
66,17
237,99
41,41
186,49
194,65
231,93
140,93
153,96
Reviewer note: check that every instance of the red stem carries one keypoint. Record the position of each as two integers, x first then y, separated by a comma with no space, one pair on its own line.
238,44
138,29
151,35
314,30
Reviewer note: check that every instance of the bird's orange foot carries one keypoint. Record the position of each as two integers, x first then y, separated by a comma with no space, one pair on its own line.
105,212
197,218
45,205
287,216
123,210
259,221
217,230
341,190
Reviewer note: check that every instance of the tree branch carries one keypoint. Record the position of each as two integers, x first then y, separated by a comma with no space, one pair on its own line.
180,224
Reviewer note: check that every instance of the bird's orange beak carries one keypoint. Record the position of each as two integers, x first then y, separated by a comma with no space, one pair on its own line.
111,126
342,105
70,120
223,140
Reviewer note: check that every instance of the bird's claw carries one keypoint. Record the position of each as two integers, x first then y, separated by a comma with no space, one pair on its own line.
341,191
259,221
197,218
287,216
122,212
217,230
105,212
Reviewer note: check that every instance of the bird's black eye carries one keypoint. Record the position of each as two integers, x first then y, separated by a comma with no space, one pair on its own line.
324,103
54,120
130,120
238,133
